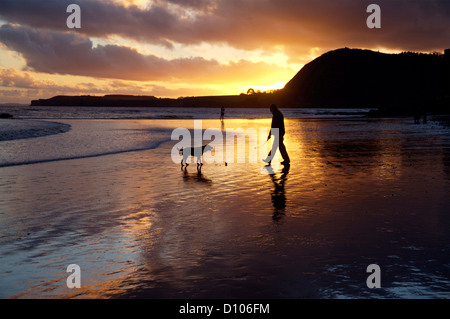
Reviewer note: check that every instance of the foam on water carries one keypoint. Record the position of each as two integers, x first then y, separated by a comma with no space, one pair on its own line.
86,138
13,129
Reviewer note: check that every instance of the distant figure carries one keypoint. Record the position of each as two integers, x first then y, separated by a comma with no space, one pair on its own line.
278,122
424,114
222,113
416,115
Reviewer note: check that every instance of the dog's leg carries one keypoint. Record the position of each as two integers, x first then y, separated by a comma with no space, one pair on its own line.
185,159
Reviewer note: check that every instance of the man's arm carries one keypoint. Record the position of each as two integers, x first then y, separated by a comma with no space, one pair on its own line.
270,131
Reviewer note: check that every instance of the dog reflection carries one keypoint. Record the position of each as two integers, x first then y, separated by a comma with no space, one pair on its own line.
198,177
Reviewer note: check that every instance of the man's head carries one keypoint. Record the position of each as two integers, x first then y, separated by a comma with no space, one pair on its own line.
273,108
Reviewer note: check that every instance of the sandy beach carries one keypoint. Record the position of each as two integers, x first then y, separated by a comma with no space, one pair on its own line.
357,192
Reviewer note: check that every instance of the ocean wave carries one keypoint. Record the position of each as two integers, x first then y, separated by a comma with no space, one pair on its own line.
84,139
73,157
14,129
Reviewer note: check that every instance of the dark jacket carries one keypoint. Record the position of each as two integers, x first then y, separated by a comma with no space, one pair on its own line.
278,122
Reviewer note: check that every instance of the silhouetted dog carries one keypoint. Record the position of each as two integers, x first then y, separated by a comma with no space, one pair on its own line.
194,151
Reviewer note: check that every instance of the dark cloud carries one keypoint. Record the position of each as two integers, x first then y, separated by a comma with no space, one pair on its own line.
251,24
71,53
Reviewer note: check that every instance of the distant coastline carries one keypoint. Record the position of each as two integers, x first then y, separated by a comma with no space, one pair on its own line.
394,84
256,100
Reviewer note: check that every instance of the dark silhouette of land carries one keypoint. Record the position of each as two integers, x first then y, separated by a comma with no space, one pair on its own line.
395,84
228,101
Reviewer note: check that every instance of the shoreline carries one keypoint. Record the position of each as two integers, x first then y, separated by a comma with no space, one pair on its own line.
167,125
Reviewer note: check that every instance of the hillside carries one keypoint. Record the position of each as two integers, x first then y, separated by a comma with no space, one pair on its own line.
364,78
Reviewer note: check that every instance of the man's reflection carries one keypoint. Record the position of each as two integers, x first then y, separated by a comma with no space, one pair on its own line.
278,193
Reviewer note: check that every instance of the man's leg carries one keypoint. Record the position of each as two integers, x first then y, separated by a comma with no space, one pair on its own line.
283,152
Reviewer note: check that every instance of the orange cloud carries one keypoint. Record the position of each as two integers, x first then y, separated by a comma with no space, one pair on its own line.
70,53
250,24
12,78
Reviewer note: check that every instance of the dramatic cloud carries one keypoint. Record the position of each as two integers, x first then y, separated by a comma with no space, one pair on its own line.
158,43
70,53
251,24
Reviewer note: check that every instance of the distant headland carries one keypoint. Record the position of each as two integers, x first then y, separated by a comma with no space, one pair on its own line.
395,84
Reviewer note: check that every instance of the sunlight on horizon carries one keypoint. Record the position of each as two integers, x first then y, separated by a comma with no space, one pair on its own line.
269,87
197,49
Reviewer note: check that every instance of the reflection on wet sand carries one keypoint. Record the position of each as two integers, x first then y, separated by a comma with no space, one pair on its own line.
278,193
355,193
197,176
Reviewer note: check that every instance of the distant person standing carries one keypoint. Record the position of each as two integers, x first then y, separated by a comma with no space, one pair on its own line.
222,113
278,123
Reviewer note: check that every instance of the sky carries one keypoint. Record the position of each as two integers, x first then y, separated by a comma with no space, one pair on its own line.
175,48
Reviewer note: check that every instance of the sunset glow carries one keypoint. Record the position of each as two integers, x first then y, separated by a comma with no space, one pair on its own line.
185,48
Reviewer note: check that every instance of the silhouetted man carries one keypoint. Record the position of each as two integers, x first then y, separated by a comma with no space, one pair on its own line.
277,122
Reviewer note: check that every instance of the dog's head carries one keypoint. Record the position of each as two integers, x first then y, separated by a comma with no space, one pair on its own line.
208,148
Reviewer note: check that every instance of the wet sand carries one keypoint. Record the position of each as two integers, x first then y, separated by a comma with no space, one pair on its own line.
140,227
